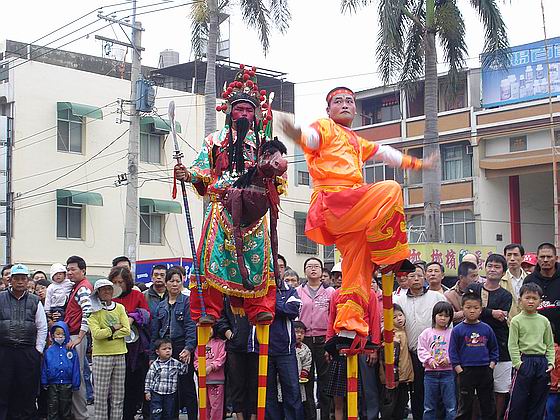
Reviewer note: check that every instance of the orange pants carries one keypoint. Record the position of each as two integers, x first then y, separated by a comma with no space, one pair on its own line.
372,232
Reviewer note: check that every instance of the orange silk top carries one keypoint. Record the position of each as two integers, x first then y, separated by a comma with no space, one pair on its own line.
335,157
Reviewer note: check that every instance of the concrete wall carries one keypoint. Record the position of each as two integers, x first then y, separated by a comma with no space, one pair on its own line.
500,146
39,170
493,205
537,209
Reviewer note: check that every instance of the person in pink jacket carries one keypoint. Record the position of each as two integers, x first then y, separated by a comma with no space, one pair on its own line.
433,352
215,377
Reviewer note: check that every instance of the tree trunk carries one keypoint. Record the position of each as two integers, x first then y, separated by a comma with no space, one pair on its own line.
210,83
431,177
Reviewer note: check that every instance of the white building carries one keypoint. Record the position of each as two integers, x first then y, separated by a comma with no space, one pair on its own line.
63,149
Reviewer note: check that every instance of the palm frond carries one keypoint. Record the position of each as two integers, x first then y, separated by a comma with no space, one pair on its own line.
496,44
281,15
256,15
390,45
414,53
450,28
352,6
199,27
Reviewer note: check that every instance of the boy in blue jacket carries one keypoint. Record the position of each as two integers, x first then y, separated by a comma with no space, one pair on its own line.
60,373
473,350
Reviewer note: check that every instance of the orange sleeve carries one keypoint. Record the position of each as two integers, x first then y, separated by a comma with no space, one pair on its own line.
410,162
369,148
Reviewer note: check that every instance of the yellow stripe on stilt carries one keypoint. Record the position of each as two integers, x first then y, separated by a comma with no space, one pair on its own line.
387,282
352,386
263,332
203,332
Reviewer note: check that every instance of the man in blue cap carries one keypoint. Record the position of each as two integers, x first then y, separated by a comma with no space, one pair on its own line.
23,333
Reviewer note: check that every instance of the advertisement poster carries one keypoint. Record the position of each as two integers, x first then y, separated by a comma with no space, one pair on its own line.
526,78
144,267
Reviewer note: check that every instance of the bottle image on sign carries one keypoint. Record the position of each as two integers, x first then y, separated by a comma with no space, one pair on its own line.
505,90
514,86
528,74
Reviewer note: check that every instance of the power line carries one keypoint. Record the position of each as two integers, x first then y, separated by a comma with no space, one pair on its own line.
76,168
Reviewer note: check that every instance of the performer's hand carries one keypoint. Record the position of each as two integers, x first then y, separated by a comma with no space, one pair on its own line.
182,174
371,359
430,161
549,369
291,131
458,369
148,396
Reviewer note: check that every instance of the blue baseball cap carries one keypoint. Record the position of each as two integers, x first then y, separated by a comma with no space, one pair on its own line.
19,269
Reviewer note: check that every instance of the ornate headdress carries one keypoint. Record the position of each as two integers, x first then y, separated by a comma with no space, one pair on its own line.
244,88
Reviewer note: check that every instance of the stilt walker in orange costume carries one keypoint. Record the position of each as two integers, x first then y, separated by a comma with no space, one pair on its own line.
365,221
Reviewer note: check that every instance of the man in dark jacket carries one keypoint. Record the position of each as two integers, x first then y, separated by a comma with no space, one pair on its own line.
547,276
282,361
157,291
241,371
23,333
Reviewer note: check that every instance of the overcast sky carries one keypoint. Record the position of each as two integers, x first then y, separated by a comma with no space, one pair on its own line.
320,43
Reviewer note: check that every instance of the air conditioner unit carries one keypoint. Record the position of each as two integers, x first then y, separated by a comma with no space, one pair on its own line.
468,149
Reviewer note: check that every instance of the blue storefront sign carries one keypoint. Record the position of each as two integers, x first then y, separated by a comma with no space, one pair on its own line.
144,267
526,78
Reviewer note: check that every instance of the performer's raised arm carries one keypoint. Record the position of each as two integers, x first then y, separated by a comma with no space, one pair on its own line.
396,159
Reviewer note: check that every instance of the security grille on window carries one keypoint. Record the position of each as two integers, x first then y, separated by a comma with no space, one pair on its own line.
518,144
303,244
68,219
69,132
151,226
416,229
456,162
458,227
150,147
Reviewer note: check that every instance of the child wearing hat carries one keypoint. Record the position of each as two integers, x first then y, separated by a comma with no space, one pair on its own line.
109,326
57,292
60,374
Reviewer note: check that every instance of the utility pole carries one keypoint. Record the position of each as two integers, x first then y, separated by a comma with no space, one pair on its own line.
132,214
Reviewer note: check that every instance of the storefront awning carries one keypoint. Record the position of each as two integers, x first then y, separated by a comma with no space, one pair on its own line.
81,110
160,124
162,206
81,197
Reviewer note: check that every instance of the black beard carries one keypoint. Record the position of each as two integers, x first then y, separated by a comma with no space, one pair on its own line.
242,127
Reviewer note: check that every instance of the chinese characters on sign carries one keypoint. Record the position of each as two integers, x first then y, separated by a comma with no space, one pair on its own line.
449,255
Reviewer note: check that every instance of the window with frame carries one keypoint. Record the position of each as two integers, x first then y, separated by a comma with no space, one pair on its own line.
414,177
68,219
150,147
303,178
456,162
381,109
69,132
557,138
304,245
328,254
458,226
151,226
518,144
374,171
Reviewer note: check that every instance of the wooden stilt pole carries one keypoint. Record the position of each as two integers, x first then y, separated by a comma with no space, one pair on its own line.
387,281
203,337
263,331
352,386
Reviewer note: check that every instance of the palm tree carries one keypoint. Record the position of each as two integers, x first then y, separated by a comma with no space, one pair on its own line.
261,15
407,47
